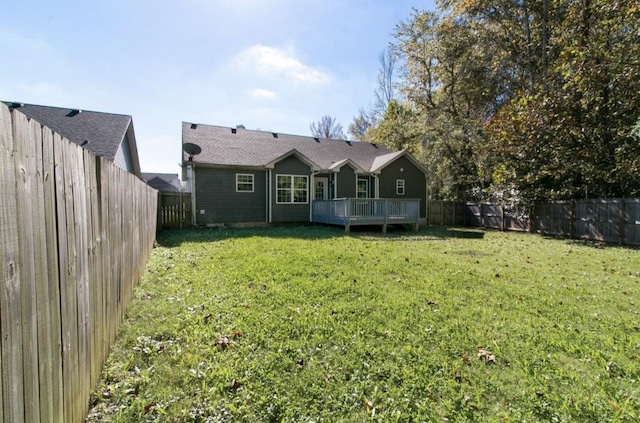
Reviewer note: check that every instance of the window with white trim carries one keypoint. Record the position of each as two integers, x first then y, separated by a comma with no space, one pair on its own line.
292,189
363,188
244,182
400,186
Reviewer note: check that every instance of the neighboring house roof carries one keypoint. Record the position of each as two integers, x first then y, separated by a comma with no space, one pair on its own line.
225,146
163,182
100,133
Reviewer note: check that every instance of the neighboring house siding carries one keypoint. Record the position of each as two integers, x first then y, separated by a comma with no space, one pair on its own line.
216,195
346,182
290,212
122,158
414,180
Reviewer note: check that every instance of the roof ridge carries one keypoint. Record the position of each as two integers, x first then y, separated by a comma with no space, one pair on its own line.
264,131
63,108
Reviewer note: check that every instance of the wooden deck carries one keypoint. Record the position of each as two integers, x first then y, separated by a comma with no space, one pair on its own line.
348,212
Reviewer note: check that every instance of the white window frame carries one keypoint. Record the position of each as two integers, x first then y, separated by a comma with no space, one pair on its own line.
400,187
238,182
366,184
292,190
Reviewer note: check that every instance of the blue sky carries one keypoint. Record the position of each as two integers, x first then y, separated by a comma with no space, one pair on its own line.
275,65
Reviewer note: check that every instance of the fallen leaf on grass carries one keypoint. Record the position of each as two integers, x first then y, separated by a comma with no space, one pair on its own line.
235,385
486,355
149,407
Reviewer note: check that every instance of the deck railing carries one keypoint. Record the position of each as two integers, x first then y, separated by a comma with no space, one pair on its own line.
366,211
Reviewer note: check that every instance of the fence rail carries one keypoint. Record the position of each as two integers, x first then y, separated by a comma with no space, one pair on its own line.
75,235
607,220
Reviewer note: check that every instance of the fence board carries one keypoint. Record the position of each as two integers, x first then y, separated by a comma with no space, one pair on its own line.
26,197
10,302
52,325
82,276
42,302
632,221
106,251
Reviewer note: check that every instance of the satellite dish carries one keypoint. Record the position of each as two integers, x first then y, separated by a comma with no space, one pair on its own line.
191,149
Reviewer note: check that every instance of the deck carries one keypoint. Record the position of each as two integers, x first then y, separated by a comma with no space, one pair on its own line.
349,212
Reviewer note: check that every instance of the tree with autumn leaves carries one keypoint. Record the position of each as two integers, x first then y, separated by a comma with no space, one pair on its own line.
537,99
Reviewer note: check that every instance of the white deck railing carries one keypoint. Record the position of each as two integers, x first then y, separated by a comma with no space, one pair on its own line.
366,211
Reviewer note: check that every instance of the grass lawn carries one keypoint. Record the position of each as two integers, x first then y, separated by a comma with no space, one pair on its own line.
309,324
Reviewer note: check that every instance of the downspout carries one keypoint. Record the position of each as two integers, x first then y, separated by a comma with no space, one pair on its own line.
269,195
266,200
335,186
426,198
192,186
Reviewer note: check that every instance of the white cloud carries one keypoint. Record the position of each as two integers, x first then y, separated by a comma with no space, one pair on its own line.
261,93
267,60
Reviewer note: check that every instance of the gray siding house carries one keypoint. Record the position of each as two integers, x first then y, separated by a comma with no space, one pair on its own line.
106,135
243,176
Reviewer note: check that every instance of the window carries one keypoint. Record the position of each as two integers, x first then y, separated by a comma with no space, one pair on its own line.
400,186
244,182
292,189
363,188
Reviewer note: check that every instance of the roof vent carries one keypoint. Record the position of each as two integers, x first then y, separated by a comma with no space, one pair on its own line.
85,142
348,142
317,139
234,130
275,135
194,125
15,105
74,112
374,145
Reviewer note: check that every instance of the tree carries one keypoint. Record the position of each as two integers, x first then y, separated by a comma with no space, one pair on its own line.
533,98
385,91
327,127
361,124
396,130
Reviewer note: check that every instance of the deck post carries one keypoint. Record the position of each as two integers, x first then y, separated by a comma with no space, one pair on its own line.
384,228
347,229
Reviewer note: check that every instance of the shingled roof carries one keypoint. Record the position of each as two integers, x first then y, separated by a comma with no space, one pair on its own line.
226,146
163,182
100,133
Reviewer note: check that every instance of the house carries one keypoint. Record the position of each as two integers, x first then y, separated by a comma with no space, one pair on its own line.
163,182
106,135
245,176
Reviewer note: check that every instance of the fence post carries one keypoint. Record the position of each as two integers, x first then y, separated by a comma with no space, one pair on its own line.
572,219
622,221
502,225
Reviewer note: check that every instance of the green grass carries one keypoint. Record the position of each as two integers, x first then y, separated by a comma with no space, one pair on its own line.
322,326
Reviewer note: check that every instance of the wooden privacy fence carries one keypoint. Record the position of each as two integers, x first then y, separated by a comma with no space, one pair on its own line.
608,220
174,210
75,234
